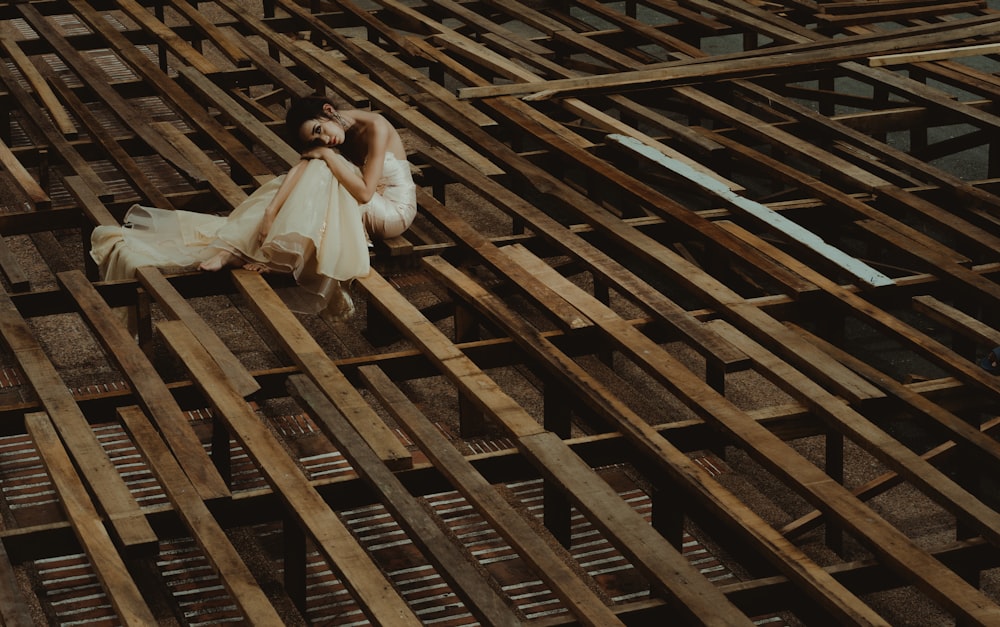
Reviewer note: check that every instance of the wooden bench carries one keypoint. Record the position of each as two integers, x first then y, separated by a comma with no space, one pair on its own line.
128,523
668,571
152,393
311,359
303,504
206,531
111,569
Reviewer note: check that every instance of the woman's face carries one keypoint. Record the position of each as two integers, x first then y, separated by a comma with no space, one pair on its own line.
321,132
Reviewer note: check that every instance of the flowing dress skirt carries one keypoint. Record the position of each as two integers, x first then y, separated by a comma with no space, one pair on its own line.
318,236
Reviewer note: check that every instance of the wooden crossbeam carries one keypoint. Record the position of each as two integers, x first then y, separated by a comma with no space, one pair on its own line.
310,357
454,564
152,392
123,593
659,561
358,572
206,531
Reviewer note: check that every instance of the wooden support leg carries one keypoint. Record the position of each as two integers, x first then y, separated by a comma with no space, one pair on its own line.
222,455
295,563
668,514
142,327
558,515
835,468
557,411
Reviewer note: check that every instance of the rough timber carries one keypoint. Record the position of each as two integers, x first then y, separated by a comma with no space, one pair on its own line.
687,328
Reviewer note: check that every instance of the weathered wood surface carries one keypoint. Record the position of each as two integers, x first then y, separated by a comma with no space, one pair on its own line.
647,234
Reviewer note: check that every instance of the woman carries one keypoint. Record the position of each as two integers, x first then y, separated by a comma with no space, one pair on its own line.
315,222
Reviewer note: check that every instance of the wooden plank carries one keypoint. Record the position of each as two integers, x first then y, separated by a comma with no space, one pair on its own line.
167,38
687,475
114,498
219,37
740,65
957,320
111,570
205,530
955,52
810,482
176,307
60,117
354,566
14,611
248,124
860,270
310,357
523,281
152,393
455,564
670,572
548,564
224,187
37,196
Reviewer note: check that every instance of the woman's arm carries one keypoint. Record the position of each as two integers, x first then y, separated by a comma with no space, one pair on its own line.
273,207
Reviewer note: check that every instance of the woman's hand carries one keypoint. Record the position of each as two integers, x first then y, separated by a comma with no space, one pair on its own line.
319,152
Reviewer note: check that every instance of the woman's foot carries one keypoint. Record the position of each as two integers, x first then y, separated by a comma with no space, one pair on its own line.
219,261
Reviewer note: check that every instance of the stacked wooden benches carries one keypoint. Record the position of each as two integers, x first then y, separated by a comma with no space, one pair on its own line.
674,221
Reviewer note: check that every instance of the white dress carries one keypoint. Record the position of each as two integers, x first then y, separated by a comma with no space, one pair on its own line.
320,235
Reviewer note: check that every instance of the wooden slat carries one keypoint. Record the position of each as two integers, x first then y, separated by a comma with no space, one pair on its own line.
152,393
206,531
122,591
310,357
720,67
357,571
229,108
688,475
813,484
177,308
221,183
166,37
37,196
454,564
550,566
128,523
23,63
671,574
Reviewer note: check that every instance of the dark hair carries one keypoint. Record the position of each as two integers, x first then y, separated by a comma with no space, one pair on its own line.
300,111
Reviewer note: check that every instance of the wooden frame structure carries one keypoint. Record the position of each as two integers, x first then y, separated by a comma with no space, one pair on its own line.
635,218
